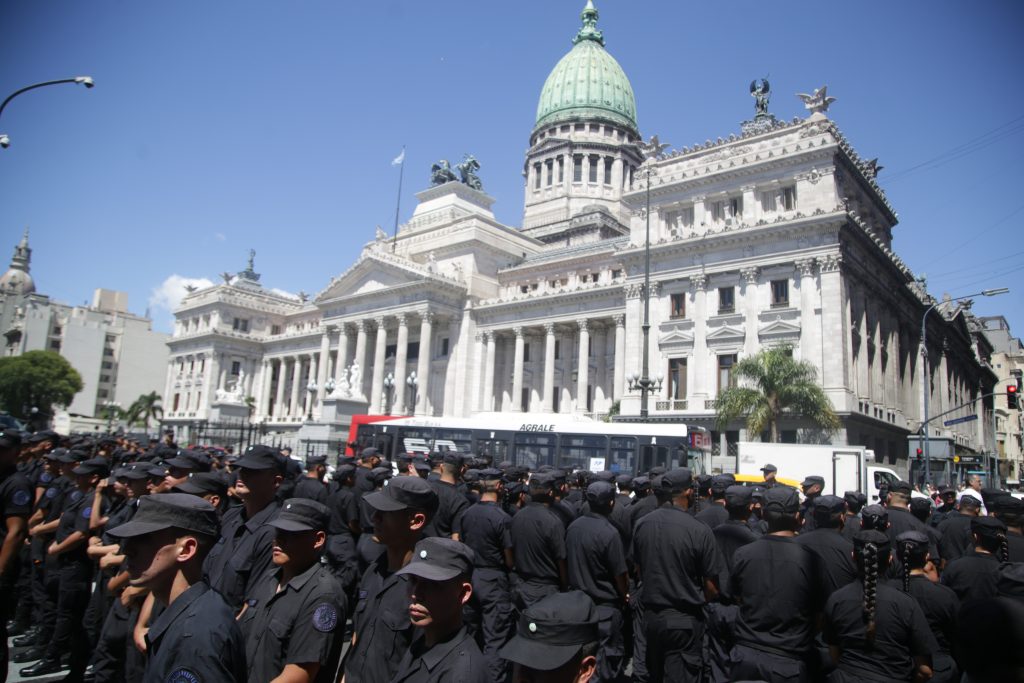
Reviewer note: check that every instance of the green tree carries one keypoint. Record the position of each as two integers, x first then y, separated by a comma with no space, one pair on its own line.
769,385
145,409
37,379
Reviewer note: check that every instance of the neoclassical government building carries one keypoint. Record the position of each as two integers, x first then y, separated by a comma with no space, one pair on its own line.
776,233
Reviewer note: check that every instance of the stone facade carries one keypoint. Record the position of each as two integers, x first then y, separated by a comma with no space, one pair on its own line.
1008,363
776,235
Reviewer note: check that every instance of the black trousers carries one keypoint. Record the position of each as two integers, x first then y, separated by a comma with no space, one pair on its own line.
749,663
639,636
611,653
675,643
23,613
111,649
525,592
69,636
492,603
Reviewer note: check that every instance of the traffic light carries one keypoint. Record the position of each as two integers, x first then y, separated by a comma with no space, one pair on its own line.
920,453
1012,397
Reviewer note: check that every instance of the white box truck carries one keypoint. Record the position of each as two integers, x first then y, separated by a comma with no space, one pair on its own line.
844,468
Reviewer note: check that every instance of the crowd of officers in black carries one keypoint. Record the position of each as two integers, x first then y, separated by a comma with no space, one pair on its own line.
127,562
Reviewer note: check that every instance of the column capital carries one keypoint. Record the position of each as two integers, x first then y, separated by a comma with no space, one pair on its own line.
830,263
401,318
428,317
749,274
583,324
488,336
804,267
360,325
620,319
549,329
478,337
699,281
518,331
379,322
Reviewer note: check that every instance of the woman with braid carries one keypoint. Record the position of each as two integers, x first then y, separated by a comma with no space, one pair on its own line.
976,575
876,633
939,604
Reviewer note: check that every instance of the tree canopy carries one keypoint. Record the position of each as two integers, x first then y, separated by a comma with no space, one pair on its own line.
770,384
37,379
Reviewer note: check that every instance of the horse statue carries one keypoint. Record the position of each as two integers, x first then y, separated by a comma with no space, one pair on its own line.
468,169
441,173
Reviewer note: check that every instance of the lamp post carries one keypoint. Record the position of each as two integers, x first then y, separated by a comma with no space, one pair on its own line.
311,389
87,81
413,382
111,406
389,386
644,382
926,374
329,387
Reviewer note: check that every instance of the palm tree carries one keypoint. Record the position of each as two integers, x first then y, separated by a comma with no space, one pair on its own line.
146,408
771,384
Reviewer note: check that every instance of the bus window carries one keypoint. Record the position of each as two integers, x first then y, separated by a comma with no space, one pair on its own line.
533,450
383,442
462,439
583,452
497,449
653,456
414,439
622,457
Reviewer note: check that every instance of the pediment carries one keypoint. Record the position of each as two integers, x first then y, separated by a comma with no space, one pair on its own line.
676,339
375,272
779,329
726,334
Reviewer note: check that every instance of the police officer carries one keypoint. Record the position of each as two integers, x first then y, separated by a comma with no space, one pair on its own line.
855,502
812,487
196,637
452,502
597,567
293,619
556,640
679,566
975,575
947,496
715,513
778,585
939,603
312,485
15,506
382,632
834,552
242,554
1010,511
955,531
734,532
487,530
210,486
538,546
901,521
769,471
439,585
343,529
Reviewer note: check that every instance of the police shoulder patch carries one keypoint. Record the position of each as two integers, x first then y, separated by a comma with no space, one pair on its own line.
183,675
86,512
75,495
46,477
325,618
51,492
21,497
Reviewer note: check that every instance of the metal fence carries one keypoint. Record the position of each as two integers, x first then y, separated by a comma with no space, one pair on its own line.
234,434
329,447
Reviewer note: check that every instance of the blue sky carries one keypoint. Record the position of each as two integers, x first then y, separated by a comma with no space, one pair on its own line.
219,126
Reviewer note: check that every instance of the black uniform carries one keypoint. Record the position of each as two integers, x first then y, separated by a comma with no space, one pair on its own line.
940,606
956,538
713,515
675,554
45,577
973,576
341,543
195,640
731,536
15,501
835,554
487,529
381,624
1015,542
901,633
108,659
779,585
451,504
303,623
901,521
538,545
595,558
455,660
242,554
312,489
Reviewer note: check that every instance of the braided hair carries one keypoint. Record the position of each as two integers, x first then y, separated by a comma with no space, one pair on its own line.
1004,547
872,558
913,549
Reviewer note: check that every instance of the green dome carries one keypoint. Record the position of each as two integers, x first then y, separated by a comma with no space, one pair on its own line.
587,83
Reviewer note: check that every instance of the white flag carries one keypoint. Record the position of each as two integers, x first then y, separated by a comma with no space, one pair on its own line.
399,159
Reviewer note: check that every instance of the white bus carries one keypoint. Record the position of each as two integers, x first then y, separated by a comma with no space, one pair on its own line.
535,439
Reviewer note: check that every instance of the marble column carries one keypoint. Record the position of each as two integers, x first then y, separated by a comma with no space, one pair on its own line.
341,358
422,406
360,358
401,358
295,406
549,367
601,372
748,279
805,270
311,374
279,397
322,366
492,352
212,375
377,388
701,387
517,371
266,379
619,370
583,368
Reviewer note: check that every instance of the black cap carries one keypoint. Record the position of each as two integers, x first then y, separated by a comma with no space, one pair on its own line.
641,483
67,457
877,538
874,517
970,501
769,468
44,435
989,496
542,480
551,631
624,481
830,505
402,493
490,474
452,458
344,472
186,459
813,479
98,466
202,483
600,493
369,453
380,474
301,514
901,486
915,539
781,499
720,482
945,489
677,480
315,461
1008,505
421,465
135,470
988,527
920,506
55,454
603,475
157,471
10,438
855,499
170,511
439,559
260,457
738,496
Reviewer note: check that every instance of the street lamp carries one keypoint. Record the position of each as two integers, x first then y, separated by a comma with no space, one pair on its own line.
87,81
329,386
650,150
413,382
389,386
111,406
926,378
311,389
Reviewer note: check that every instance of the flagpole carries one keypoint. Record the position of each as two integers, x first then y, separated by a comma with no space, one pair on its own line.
398,200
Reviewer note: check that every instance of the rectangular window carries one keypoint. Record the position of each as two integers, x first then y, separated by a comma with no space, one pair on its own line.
678,305
526,352
275,329
240,325
102,393
111,339
718,211
536,176
768,201
108,352
592,173
525,398
55,344
725,363
736,207
577,168
104,378
616,274
686,217
444,347
236,367
561,170
726,299
525,289
780,293
550,172
608,170
107,365
677,378
788,198
558,349
56,330
177,400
